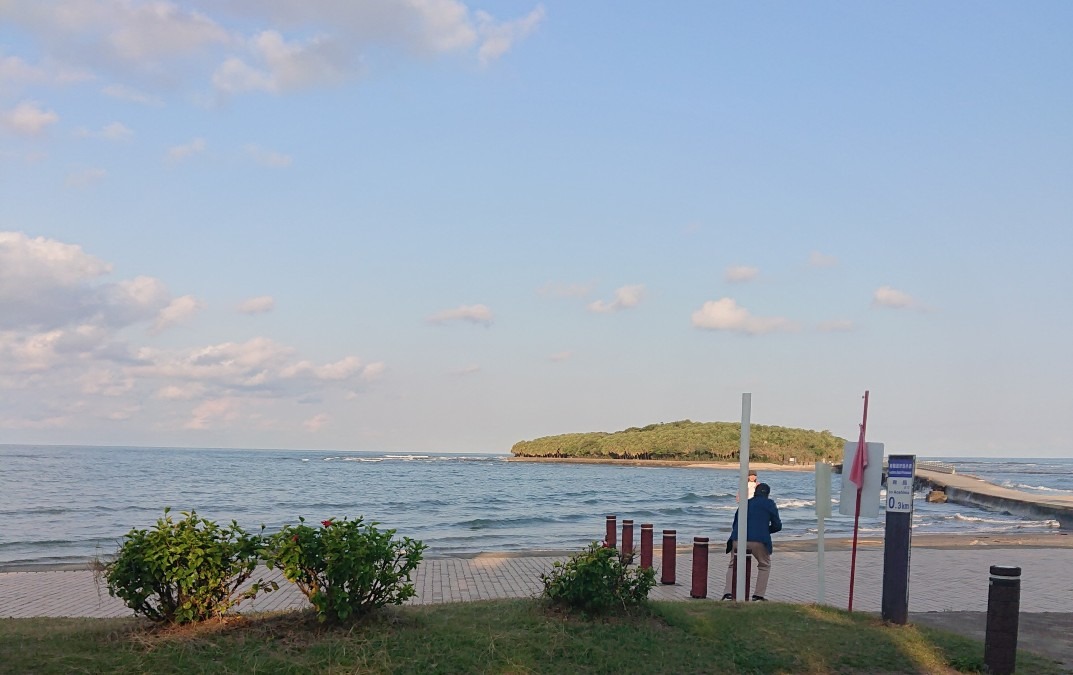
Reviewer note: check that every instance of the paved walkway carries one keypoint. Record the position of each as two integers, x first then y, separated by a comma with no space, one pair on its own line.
947,589
942,580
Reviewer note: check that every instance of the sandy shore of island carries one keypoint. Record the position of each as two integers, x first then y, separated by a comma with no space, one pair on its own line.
681,464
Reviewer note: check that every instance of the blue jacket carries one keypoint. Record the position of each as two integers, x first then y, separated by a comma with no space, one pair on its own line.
763,520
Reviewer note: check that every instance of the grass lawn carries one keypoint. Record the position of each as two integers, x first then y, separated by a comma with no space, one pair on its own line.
507,636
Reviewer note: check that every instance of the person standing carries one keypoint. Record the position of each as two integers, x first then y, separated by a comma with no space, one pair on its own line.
763,520
751,485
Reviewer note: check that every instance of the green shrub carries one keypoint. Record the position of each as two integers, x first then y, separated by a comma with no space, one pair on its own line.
346,567
598,579
186,570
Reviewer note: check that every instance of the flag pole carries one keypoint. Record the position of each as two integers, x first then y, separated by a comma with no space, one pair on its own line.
857,460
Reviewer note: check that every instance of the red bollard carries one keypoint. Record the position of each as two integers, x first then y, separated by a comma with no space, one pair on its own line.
669,546
612,532
700,568
627,537
646,546
748,575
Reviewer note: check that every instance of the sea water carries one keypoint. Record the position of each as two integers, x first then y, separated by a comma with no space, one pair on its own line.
67,504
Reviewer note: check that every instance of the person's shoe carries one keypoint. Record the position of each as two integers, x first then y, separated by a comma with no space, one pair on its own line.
728,596
759,598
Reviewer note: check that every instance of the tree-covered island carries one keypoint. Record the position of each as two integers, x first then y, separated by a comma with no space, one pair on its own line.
689,441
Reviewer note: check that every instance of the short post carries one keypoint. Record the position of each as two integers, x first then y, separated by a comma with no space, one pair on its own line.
612,532
1003,607
670,544
699,589
627,537
748,575
646,546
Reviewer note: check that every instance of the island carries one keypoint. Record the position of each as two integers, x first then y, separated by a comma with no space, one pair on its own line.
688,441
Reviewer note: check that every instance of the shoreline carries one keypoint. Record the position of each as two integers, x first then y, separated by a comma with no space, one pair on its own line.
952,542
671,463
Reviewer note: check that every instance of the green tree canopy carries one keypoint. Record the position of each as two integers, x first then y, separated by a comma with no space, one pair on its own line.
687,440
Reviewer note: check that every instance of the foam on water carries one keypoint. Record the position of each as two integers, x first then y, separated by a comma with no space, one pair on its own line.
67,504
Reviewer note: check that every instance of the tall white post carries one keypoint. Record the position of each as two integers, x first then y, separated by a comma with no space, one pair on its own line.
823,510
743,491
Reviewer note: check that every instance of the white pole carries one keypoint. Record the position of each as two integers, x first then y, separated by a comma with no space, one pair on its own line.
819,562
743,491
823,510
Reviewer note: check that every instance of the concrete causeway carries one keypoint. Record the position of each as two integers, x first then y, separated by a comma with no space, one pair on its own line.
973,491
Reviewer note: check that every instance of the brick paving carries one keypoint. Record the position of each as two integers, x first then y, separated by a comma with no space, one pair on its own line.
942,580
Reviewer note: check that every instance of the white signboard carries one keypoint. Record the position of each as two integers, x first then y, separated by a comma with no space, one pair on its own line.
873,479
823,490
900,470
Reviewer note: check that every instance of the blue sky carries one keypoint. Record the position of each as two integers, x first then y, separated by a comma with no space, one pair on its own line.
430,225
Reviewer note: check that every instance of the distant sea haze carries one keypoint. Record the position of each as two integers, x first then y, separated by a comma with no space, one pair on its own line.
66,504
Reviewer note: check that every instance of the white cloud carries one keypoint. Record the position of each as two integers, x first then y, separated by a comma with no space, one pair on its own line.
46,284
178,310
885,296
117,34
282,66
178,153
134,300
185,392
373,371
314,424
110,132
340,370
726,315
27,264
258,305
498,37
478,314
85,177
157,31
259,364
296,45
105,382
836,326
205,415
625,298
471,369
15,70
28,118
132,95
39,422
560,356
62,328
740,273
269,158
817,259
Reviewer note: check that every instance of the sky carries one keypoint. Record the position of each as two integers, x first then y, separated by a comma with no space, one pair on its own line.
444,225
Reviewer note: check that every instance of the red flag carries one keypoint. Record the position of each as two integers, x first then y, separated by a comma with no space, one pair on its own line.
860,460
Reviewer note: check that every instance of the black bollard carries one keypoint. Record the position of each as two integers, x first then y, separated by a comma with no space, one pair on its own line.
699,589
646,545
627,537
1003,608
612,532
668,567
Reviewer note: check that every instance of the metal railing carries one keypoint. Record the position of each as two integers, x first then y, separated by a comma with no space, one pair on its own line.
940,467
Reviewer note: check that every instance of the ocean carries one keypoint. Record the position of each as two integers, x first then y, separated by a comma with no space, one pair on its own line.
67,504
